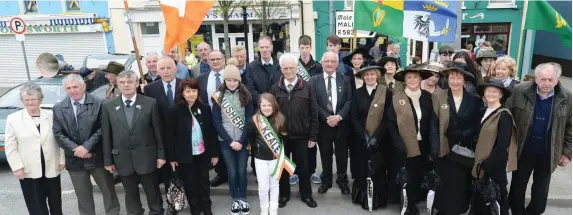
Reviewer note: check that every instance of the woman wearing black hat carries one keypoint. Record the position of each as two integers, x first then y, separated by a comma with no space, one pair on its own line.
459,113
496,147
369,106
356,59
414,127
389,67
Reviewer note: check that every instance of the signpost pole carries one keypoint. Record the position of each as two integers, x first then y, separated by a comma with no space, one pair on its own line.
26,60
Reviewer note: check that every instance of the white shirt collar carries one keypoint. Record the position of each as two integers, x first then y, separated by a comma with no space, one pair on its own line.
270,61
173,82
293,83
81,101
212,73
123,99
325,75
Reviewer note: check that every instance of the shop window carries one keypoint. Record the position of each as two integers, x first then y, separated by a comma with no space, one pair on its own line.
466,29
205,32
31,6
497,34
482,29
233,28
73,5
500,28
149,28
501,4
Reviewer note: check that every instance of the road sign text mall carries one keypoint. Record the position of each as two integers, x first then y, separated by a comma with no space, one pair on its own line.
344,21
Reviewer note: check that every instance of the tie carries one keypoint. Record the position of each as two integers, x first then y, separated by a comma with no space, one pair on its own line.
289,87
128,103
329,94
217,80
391,85
169,94
78,105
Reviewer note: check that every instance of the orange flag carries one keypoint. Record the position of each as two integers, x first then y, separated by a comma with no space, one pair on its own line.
182,19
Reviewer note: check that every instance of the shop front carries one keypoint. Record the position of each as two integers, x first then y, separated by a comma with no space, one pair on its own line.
283,29
72,36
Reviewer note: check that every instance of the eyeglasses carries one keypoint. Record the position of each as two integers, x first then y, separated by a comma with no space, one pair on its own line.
30,100
216,59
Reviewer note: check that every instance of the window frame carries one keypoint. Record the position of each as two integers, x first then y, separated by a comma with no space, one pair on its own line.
510,4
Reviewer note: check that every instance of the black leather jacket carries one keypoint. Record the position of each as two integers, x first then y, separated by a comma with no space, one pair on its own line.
259,148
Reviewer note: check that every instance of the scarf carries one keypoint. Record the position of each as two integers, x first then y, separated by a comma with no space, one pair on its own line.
415,97
507,81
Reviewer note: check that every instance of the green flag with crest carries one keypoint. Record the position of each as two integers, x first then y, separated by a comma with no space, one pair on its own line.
542,16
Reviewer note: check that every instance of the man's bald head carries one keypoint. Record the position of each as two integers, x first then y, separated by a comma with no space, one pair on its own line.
167,68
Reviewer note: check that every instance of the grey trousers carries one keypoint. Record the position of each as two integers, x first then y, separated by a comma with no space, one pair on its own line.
84,190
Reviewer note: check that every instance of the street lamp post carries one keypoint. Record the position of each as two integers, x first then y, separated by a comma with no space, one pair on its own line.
246,31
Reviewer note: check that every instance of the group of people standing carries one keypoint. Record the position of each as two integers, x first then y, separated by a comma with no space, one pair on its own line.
466,122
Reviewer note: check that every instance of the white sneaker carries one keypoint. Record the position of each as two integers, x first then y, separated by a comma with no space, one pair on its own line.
245,209
235,208
274,211
264,210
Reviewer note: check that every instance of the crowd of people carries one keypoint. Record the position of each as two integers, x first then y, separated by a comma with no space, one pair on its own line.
467,123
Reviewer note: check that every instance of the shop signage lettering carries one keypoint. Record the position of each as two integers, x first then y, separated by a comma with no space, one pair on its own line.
473,16
31,29
345,26
234,16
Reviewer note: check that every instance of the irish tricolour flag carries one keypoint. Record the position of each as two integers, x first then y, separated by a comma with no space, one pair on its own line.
433,21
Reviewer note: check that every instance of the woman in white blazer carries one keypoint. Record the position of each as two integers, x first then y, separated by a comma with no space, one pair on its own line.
33,154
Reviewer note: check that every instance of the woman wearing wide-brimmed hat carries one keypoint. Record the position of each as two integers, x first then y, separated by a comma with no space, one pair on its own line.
496,147
431,84
414,130
389,67
356,59
369,109
458,113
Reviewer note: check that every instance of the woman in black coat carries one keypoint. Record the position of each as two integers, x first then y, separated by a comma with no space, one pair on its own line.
368,113
459,113
414,129
192,144
496,147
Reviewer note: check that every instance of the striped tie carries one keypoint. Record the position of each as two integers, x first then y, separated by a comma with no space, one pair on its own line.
329,94
217,80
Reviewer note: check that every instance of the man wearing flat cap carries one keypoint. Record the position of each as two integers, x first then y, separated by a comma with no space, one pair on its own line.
111,71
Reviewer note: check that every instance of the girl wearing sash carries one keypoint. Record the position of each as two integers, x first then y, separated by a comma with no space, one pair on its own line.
459,114
414,129
496,148
191,144
369,106
232,112
268,116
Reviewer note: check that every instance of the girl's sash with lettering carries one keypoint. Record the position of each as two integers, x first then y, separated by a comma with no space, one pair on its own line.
230,110
302,72
274,143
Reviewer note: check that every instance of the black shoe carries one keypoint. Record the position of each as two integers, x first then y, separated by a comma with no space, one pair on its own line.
344,189
309,202
218,180
323,188
412,210
283,201
207,211
170,210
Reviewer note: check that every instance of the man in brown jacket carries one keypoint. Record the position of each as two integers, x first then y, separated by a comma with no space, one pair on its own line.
542,113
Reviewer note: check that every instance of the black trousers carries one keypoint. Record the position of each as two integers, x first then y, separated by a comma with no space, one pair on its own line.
312,159
299,150
150,186
329,145
221,168
539,165
36,191
195,177
165,174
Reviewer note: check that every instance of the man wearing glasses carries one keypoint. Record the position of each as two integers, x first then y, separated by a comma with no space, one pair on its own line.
209,82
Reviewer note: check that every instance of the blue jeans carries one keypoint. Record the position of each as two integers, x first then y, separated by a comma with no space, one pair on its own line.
236,162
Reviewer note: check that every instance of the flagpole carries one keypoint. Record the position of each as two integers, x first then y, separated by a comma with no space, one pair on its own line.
520,70
136,50
353,40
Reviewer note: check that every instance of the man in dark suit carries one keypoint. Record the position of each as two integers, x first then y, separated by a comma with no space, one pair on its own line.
163,92
78,132
133,145
333,96
262,74
209,82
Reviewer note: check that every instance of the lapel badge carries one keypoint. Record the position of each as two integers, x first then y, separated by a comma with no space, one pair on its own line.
138,107
375,105
444,106
402,102
198,111
117,108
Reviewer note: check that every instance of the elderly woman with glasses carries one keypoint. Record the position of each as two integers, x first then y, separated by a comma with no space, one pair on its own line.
33,153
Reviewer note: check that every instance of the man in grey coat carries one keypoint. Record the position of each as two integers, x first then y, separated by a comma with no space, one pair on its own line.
77,128
132,144
542,112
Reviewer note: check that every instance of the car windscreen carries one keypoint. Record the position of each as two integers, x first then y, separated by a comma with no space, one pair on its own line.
53,93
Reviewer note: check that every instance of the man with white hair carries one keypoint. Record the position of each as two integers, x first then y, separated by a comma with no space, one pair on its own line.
296,100
333,97
542,113
204,50
151,59
77,129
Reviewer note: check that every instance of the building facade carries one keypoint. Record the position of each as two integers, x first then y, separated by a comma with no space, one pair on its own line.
72,28
149,28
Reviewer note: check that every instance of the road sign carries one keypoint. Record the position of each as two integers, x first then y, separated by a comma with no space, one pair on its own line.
17,25
20,37
345,26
